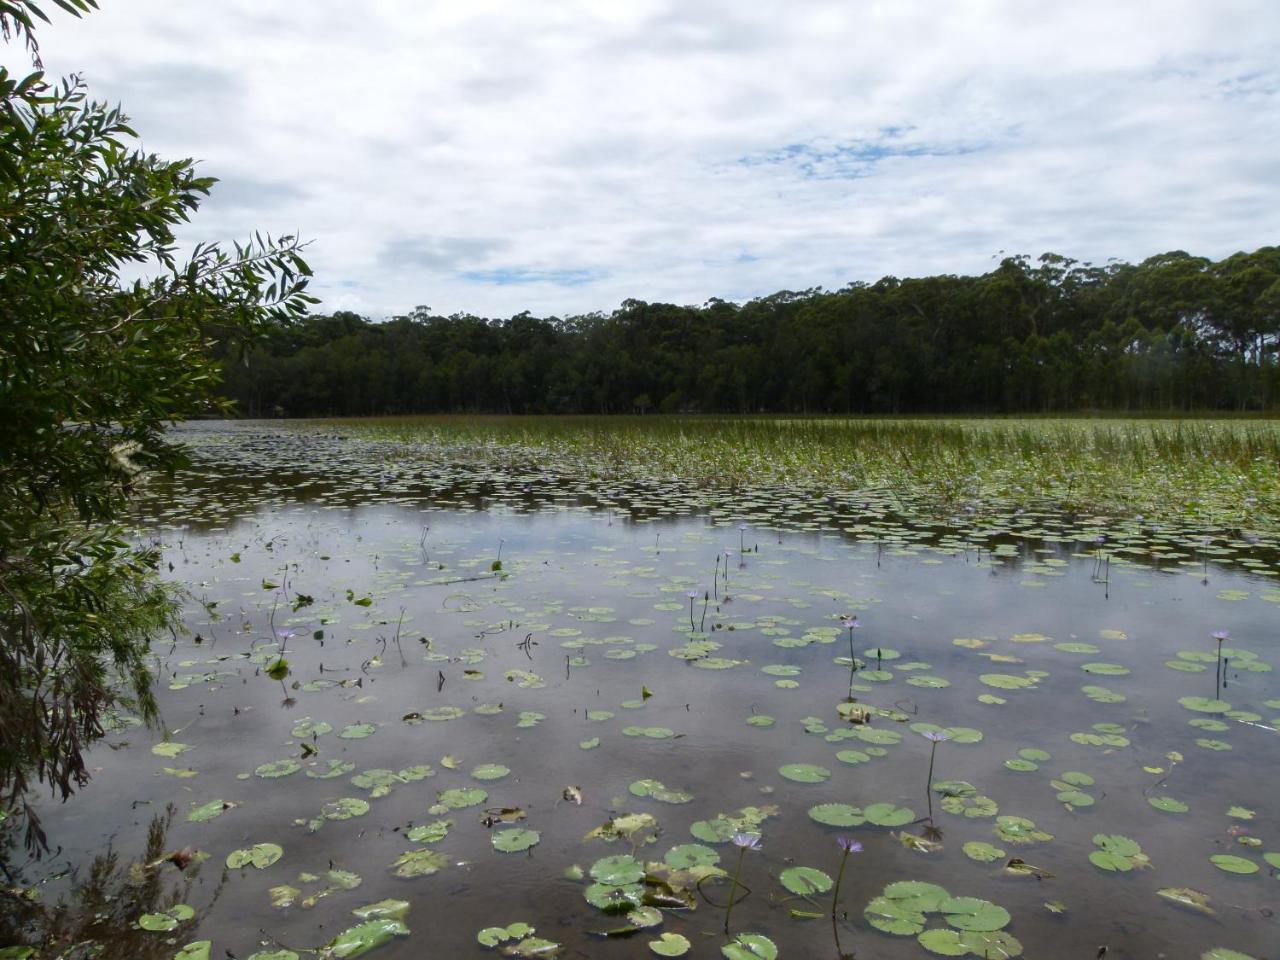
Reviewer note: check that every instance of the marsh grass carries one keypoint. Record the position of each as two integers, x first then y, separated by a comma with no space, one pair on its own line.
1223,471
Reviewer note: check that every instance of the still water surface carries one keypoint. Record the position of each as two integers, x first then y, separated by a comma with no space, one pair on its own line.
546,667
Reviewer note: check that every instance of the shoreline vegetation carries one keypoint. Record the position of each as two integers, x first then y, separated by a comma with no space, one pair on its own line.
1174,332
1211,474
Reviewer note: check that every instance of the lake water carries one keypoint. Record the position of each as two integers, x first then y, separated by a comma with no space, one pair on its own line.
584,663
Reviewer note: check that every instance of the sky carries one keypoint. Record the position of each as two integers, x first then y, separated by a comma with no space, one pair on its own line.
560,156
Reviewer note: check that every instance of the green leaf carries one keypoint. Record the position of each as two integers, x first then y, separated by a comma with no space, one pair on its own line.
1233,864
360,939
805,881
670,945
260,855
750,946
515,840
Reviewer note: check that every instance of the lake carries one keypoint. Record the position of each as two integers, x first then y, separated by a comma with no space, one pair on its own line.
532,696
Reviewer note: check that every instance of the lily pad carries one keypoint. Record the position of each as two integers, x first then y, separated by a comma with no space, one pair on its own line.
617,871
805,881
1233,864
750,946
670,945
805,772
419,863
260,855
515,840
360,939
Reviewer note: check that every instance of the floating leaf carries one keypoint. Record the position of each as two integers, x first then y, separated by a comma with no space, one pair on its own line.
277,768
805,881
207,811
687,855
344,809
886,815
750,946
670,945
1186,897
617,871
982,852
359,940
260,855
837,815
168,920
429,832
805,772
1233,864
383,909
419,863
459,798
515,840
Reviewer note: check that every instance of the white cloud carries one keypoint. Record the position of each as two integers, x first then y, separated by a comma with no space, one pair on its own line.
561,156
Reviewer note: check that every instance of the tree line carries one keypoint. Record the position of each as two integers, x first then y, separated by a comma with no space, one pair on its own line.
1174,332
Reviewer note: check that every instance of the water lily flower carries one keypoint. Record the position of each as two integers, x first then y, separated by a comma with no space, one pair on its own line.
937,736
744,842
848,845
747,841
1221,635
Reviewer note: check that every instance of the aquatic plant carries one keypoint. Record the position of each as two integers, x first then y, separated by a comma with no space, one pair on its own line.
934,737
744,842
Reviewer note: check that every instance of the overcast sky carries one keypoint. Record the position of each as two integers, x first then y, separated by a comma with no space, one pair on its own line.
561,155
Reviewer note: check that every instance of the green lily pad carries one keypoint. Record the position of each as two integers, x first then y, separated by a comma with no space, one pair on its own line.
459,798
971,913
837,815
945,943
805,772
886,815
492,936
1204,704
207,811
750,946
168,920
670,945
614,899
657,790
344,809
617,871
687,855
982,852
260,855
1168,804
805,881
360,939
277,768
169,749
429,832
199,950
490,771
382,910
1233,864
419,863
515,840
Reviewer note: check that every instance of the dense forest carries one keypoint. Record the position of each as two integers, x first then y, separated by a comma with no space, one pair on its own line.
1175,332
